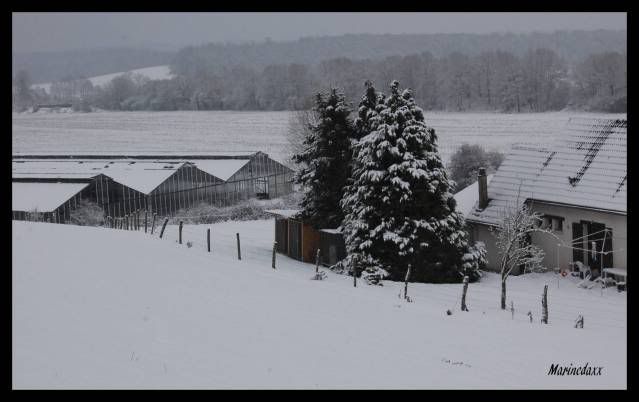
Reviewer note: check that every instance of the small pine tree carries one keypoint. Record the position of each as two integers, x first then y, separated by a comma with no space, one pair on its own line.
399,207
325,161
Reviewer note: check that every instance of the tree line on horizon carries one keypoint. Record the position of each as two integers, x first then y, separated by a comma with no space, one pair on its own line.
538,81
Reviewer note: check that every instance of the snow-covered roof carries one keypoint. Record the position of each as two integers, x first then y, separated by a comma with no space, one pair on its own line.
138,155
140,175
467,197
285,213
586,167
143,175
42,197
220,168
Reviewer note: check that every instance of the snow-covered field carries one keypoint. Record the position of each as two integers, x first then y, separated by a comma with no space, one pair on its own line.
103,308
186,131
152,73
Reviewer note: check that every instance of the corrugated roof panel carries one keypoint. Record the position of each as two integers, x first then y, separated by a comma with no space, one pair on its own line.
42,197
140,175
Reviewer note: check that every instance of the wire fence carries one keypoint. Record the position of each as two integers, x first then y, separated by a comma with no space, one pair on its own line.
253,247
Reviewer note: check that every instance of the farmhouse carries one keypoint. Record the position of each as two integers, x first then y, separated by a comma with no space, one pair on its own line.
578,184
162,184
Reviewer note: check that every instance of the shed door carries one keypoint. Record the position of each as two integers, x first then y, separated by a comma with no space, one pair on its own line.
332,254
295,239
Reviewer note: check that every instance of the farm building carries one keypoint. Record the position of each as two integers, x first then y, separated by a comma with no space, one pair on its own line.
48,202
579,185
301,241
164,184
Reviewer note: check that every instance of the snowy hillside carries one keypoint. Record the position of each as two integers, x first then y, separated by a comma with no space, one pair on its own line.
103,308
191,131
152,73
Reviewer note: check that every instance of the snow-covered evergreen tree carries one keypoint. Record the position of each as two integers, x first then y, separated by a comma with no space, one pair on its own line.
399,207
354,230
325,161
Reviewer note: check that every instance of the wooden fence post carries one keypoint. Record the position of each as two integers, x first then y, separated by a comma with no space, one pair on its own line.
544,306
153,223
164,226
180,232
239,253
406,283
512,309
274,251
317,261
355,264
146,220
463,300
208,239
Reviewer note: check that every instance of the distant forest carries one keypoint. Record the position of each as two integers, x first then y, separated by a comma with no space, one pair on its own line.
581,70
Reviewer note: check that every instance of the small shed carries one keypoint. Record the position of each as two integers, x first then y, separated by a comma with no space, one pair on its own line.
295,238
332,246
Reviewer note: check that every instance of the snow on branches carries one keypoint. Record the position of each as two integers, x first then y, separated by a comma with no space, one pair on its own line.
325,160
517,222
399,209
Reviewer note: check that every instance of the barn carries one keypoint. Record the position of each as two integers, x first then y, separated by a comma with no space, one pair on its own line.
162,184
300,240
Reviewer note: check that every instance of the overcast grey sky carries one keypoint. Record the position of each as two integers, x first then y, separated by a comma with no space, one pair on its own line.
65,31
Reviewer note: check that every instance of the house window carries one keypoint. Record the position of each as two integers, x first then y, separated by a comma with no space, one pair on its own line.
554,223
557,224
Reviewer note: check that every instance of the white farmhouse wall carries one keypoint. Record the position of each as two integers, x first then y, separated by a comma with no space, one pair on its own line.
560,257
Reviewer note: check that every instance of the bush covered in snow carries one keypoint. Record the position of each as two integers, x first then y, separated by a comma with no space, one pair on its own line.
250,209
87,213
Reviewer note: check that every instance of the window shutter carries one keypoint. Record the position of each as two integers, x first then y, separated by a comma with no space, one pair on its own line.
577,232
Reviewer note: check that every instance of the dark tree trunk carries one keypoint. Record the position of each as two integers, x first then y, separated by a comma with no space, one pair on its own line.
503,294
463,300
544,306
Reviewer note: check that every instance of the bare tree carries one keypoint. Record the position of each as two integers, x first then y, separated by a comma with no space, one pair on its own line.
517,223
22,89
299,127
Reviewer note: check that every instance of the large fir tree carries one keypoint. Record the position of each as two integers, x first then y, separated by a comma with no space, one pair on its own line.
399,207
325,161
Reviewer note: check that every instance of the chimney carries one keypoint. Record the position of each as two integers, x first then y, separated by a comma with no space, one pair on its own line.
483,188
